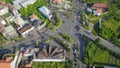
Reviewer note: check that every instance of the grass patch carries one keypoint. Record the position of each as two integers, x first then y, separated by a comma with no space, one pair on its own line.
98,55
67,37
66,64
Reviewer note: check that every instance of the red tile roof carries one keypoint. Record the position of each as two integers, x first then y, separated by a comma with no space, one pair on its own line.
6,63
57,1
11,7
2,5
99,5
99,10
27,27
33,16
28,65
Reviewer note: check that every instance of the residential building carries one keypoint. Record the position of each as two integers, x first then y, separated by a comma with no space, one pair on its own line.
99,5
2,28
57,1
22,3
6,63
3,8
10,32
2,23
39,24
13,10
19,22
25,31
33,17
46,12
97,8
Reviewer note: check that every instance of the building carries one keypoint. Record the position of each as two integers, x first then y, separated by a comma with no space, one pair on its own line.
57,1
25,31
6,63
33,17
2,23
39,24
99,5
13,10
10,32
19,22
50,53
3,8
22,3
97,8
46,12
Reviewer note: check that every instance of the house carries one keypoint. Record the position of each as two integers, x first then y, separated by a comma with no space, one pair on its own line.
33,17
13,10
2,23
57,1
10,32
39,24
97,8
36,22
99,5
45,11
22,3
3,8
6,63
2,28
24,31
19,22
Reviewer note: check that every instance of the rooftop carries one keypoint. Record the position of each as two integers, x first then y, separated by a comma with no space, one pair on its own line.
18,20
99,5
57,1
51,52
25,28
6,62
33,16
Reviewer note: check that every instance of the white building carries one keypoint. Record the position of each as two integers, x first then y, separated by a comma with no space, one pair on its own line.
10,32
19,21
22,3
46,12
26,30
3,10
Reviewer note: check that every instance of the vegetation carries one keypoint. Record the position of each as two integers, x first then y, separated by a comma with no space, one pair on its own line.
57,24
2,39
110,24
98,55
97,1
34,9
67,37
7,1
66,64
